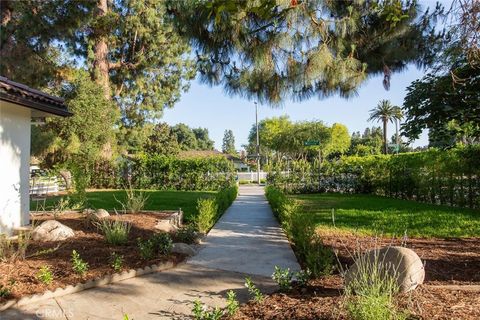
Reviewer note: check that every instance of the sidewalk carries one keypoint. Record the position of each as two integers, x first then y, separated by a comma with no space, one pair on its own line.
246,241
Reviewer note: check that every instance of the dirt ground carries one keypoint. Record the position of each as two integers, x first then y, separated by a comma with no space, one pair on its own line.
20,277
450,263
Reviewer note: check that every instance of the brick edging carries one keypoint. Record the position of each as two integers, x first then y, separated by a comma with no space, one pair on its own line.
111,278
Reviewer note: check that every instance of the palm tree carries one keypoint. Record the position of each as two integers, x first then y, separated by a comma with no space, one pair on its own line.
385,112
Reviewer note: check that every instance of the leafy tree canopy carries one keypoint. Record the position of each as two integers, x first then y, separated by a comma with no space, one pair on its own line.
271,50
228,144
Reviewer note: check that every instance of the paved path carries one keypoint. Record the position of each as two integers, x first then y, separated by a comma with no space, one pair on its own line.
247,241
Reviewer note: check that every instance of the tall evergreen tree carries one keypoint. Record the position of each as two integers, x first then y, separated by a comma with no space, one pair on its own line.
228,145
271,50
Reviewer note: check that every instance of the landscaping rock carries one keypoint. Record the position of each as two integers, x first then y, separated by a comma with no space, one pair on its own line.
183,248
403,263
165,226
101,214
52,230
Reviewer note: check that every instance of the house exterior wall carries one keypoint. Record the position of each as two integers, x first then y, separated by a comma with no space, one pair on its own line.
14,166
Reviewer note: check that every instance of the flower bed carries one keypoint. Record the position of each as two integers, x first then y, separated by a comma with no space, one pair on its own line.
22,277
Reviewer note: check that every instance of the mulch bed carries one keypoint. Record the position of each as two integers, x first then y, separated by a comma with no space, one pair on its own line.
447,262
20,276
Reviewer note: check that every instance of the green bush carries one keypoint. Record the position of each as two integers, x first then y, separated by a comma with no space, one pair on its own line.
45,275
211,209
78,265
166,173
300,229
158,244
186,234
370,295
450,177
115,231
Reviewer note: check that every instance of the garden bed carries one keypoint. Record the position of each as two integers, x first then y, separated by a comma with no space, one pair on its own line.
448,262
20,277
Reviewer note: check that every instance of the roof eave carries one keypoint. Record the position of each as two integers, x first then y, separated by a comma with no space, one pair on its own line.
37,105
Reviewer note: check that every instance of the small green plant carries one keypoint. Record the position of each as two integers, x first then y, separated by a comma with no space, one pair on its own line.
370,294
232,303
186,234
60,206
134,200
158,244
115,231
78,265
45,275
4,291
207,212
117,261
283,277
303,276
201,312
253,290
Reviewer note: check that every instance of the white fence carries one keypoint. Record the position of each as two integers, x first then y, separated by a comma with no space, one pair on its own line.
251,176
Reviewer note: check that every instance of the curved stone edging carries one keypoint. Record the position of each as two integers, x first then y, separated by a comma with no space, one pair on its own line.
456,287
112,278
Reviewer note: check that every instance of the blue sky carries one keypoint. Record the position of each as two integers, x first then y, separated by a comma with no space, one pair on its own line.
210,107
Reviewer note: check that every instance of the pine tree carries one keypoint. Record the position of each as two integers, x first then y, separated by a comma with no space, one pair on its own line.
271,50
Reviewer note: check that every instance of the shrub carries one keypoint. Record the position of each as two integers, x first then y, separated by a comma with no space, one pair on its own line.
158,244
4,291
207,212
283,277
117,261
115,231
135,200
201,312
370,295
303,276
186,234
78,265
253,290
45,275
11,250
232,303
300,229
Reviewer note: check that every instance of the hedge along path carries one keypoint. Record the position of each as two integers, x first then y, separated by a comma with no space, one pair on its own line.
247,238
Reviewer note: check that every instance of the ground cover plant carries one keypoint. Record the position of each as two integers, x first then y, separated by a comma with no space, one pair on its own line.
375,215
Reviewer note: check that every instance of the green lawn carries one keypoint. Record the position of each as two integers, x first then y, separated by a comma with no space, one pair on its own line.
375,215
158,200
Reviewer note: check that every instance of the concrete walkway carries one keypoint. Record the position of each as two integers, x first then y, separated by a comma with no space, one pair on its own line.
247,241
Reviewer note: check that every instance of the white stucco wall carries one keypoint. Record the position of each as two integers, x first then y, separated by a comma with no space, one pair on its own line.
14,165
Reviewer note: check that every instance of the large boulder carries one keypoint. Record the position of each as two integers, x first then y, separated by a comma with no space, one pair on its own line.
52,230
101,214
165,226
399,262
183,248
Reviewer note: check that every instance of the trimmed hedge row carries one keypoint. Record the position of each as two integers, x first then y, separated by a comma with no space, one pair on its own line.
211,209
449,177
165,173
300,228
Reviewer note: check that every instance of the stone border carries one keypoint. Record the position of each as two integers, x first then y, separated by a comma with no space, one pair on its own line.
108,279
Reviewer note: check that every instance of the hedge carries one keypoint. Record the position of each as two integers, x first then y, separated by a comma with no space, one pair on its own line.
211,209
165,173
450,177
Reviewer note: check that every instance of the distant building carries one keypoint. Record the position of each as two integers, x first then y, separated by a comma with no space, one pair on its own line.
19,107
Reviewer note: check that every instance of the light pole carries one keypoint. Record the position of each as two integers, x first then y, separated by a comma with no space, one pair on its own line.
258,144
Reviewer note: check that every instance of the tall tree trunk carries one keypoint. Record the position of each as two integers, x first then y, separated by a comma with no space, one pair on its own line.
100,72
385,149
